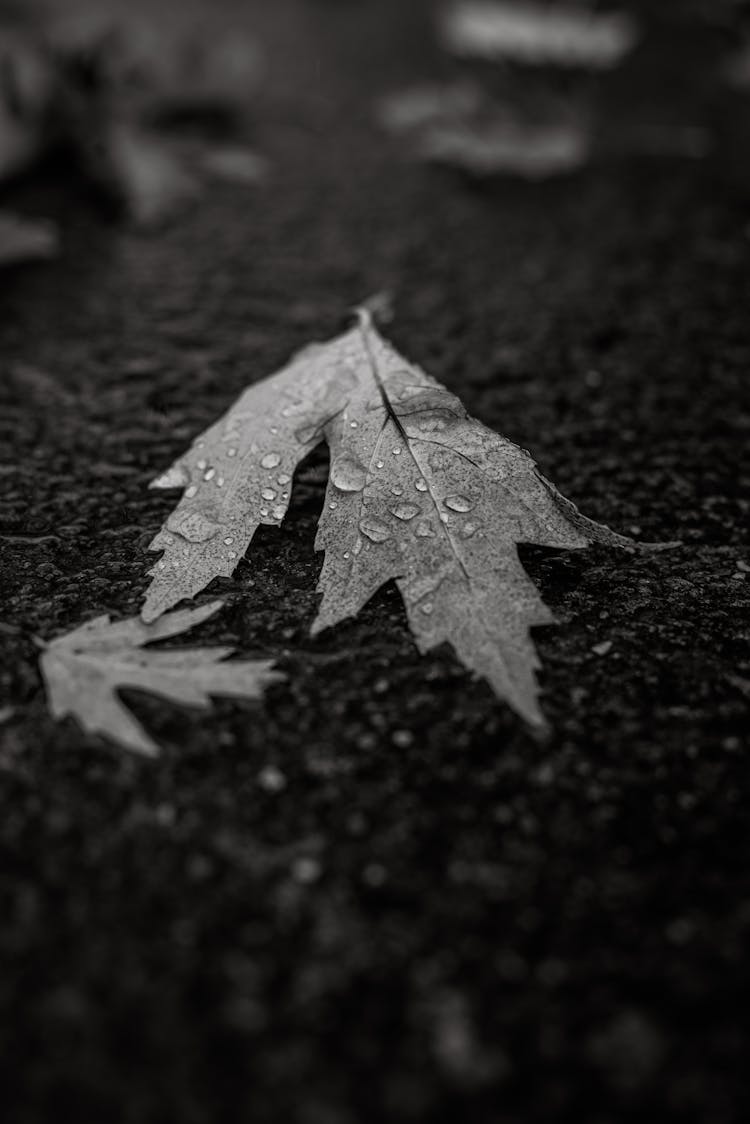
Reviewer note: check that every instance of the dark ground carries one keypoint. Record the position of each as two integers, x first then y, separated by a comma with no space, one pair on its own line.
437,918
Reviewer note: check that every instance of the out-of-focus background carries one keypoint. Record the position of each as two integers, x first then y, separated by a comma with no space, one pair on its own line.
376,897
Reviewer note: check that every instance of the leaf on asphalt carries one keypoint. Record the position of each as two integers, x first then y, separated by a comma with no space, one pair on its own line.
163,63
84,670
25,89
461,126
105,90
141,172
217,72
531,151
418,492
25,240
538,34
421,107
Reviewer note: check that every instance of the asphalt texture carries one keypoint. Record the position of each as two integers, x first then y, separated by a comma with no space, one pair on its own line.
375,897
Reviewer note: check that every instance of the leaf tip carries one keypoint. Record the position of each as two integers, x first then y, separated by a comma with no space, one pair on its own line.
379,306
151,611
146,749
538,727
174,477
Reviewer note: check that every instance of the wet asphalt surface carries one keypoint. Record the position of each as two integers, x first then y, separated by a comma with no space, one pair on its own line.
376,897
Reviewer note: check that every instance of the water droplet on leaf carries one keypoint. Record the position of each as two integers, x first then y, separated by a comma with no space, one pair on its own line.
458,503
375,529
194,527
270,460
405,511
348,474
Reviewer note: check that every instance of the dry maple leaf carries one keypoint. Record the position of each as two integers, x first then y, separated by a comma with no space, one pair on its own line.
103,91
84,669
459,125
418,492
410,110
25,91
533,151
462,126
537,34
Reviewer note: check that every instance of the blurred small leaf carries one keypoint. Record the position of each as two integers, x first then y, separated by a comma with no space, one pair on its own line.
420,107
141,173
528,150
462,126
26,84
538,34
84,670
104,91
235,164
156,64
24,240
